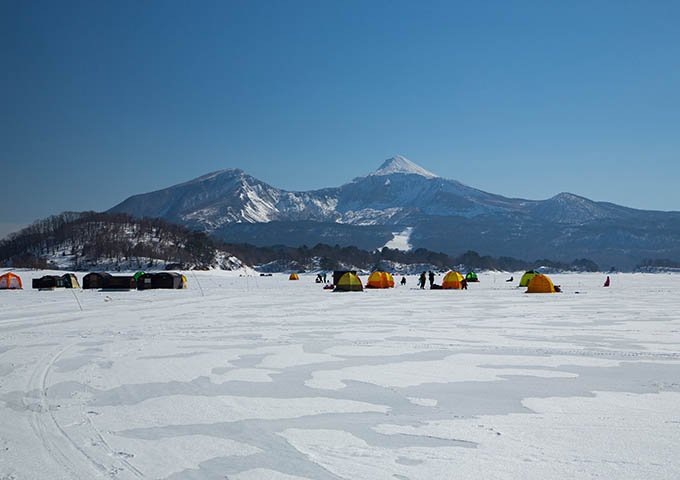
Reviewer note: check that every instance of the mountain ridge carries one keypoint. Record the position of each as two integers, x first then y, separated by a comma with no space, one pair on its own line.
401,193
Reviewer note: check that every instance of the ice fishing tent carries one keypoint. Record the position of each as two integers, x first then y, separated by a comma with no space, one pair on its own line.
70,281
471,277
55,281
526,278
293,276
171,280
380,280
540,284
337,275
120,282
46,281
452,280
10,281
96,280
349,282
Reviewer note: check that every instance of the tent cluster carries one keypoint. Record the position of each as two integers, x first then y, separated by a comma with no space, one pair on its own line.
106,281
100,281
348,281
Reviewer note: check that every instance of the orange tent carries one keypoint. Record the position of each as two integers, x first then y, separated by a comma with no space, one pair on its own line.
452,280
293,276
540,284
380,280
10,281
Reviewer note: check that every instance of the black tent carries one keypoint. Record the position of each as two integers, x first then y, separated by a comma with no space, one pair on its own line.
160,280
96,280
339,273
56,281
121,283
48,281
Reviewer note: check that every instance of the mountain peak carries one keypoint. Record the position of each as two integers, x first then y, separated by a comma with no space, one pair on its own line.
401,164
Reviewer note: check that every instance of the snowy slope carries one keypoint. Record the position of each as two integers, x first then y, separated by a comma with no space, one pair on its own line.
256,378
401,165
399,188
446,215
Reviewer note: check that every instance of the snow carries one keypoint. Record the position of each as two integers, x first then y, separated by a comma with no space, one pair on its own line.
403,165
400,241
254,378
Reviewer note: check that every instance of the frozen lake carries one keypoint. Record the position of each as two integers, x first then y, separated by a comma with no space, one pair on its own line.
249,378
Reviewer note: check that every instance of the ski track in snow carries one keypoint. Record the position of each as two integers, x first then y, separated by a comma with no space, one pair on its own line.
263,378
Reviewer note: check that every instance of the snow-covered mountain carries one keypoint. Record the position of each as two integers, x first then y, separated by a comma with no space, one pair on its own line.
401,193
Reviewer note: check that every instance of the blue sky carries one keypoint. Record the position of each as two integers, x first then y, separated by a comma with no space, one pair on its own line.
102,100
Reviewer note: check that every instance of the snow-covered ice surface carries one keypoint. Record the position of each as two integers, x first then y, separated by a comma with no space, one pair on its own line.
262,378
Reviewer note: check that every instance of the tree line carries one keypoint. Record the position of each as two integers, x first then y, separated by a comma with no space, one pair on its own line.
91,237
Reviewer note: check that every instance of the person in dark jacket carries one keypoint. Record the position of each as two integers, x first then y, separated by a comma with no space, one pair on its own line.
422,280
431,277
403,280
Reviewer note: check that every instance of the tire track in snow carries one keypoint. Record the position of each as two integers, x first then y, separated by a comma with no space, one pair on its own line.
62,447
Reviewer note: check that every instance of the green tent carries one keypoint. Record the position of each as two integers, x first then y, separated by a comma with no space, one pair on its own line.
471,277
526,278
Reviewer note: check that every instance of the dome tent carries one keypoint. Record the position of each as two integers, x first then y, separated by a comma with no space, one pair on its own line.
10,281
293,276
337,275
526,278
471,277
349,282
380,280
452,280
540,284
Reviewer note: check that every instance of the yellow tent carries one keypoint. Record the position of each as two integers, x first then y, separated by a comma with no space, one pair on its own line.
349,283
540,284
526,278
10,281
452,280
293,276
380,280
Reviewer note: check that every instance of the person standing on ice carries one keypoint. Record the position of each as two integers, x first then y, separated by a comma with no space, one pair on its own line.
403,280
422,281
431,277
606,282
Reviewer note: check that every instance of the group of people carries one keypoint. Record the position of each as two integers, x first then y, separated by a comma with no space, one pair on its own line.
321,277
424,277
